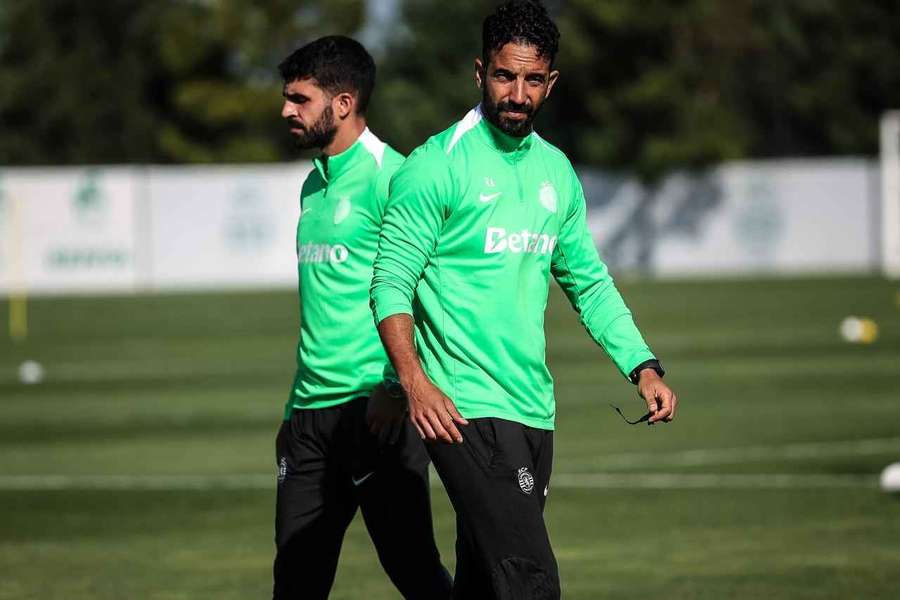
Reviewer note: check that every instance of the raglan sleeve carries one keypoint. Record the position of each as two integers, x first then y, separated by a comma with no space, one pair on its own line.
590,288
392,162
418,204
383,183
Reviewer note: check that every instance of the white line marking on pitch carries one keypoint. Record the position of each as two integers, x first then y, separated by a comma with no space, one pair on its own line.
711,481
137,482
564,480
719,456
598,479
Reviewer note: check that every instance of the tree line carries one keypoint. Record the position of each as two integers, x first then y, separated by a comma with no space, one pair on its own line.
644,87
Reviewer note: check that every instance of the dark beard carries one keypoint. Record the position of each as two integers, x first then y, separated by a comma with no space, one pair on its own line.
492,111
319,134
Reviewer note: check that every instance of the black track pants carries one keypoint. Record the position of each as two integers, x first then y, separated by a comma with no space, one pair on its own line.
498,480
330,465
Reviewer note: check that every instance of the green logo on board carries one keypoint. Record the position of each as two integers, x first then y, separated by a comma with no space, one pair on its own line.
89,202
249,226
89,207
759,224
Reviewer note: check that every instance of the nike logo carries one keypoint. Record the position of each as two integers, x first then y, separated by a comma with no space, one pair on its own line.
488,197
361,480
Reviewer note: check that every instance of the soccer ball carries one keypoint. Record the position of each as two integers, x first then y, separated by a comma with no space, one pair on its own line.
31,372
890,478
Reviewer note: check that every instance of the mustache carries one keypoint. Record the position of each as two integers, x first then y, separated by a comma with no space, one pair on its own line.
513,107
296,124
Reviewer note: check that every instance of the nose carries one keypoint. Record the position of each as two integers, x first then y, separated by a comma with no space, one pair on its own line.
287,110
518,95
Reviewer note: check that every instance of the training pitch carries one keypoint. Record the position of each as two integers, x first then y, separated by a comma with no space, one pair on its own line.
143,465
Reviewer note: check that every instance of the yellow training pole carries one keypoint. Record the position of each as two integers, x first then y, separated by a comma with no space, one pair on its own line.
18,297
18,316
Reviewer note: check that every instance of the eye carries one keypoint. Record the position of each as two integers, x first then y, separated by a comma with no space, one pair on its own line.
296,99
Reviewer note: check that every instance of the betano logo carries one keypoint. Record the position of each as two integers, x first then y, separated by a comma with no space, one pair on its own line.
322,253
496,240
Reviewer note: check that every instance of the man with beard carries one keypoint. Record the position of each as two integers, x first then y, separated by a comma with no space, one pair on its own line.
478,219
329,462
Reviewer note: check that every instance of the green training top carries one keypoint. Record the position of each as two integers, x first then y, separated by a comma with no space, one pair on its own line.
476,223
339,355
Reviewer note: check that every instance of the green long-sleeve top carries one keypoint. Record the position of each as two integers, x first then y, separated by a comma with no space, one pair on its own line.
476,222
339,355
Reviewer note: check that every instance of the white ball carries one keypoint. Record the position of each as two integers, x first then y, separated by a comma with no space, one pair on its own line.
890,478
852,329
31,372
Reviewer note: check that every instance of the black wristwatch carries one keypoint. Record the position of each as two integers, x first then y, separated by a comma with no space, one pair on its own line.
654,364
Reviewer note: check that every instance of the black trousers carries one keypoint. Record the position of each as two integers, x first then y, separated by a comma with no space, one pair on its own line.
328,466
498,480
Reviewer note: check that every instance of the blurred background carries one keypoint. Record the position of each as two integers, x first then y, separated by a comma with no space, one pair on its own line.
742,171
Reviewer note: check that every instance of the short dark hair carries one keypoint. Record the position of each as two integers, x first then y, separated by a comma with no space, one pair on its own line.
521,22
337,63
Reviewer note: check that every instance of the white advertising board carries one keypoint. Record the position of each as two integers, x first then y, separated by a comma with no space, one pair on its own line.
118,229
224,226
68,229
801,216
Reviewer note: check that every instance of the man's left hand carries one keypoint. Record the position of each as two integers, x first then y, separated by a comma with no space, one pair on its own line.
661,401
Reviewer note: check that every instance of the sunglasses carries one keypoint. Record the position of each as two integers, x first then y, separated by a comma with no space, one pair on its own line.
630,422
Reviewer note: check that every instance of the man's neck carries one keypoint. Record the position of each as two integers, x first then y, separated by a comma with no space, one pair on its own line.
346,135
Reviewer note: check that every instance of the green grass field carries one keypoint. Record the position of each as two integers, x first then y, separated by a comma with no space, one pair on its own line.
142,467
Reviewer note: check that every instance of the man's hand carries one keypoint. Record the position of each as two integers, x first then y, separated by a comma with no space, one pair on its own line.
385,413
661,401
432,412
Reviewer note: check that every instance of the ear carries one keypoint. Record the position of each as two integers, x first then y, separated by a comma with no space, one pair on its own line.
551,81
480,75
343,105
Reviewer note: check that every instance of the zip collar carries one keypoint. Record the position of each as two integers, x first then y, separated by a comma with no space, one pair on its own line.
512,148
332,167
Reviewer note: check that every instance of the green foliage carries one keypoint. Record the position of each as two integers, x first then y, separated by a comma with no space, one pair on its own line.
653,86
71,82
668,84
645,86
818,76
139,81
658,85
426,80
